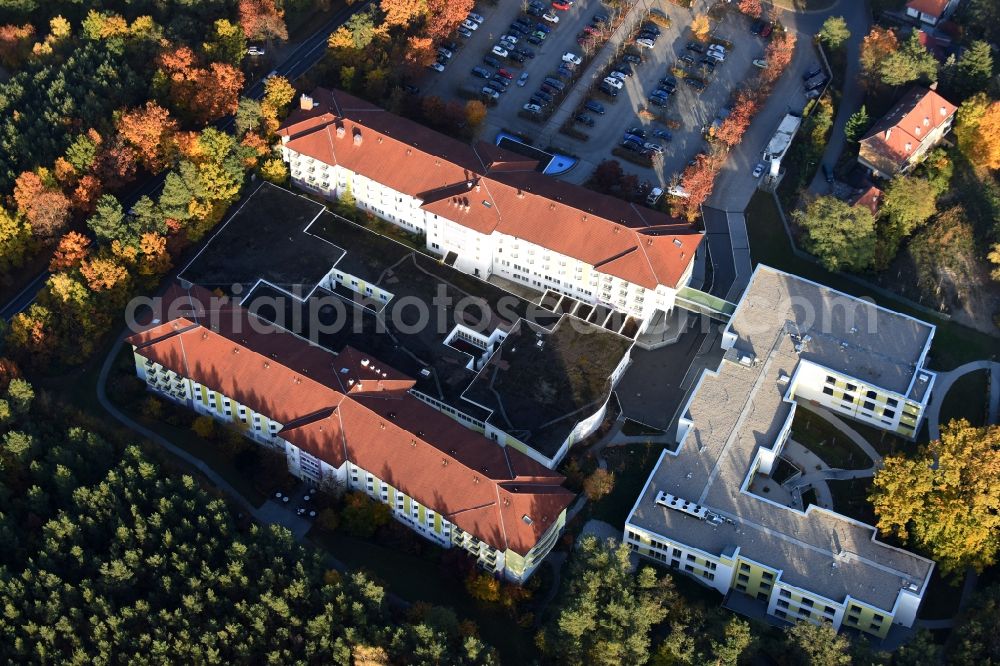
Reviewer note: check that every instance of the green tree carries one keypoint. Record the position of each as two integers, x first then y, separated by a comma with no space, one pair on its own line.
841,236
974,69
248,115
15,240
108,220
921,650
20,395
909,63
857,125
834,32
944,498
608,611
362,516
736,640
975,640
817,645
227,44
909,201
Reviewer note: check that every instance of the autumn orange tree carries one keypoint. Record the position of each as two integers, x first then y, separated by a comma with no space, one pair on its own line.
150,130
876,46
402,12
697,181
700,27
15,44
72,249
43,204
202,94
262,19
751,8
778,55
733,127
978,131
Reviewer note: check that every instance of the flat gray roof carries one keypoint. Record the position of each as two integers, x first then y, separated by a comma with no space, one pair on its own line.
841,332
739,410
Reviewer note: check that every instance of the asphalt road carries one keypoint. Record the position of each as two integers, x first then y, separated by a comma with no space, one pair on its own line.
298,62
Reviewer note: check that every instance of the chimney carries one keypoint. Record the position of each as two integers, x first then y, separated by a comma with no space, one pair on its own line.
357,137
305,102
944,112
340,131
468,184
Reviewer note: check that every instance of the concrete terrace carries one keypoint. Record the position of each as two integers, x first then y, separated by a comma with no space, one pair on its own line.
740,410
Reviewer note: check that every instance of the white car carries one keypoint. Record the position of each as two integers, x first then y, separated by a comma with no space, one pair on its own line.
445,53
510,39
645,43
617,75
716,47
470,25
653,147
475,17
760,62
532,108
255,51
436,66
550,17
759,169
717,55
489,92
614,83
500,51
569,56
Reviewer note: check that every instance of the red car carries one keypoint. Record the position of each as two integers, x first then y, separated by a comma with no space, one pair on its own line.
560,5
766,32
505,74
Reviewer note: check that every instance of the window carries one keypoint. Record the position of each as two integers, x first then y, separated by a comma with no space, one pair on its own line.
871,394
829,610
677,552
743,578
892,402
766,587
869,405
690,557
740,587
874,627
767,575
888,413
744,566
827,390
830,379
852,387
807,603
877,618
762,597
782,603
780,613
688,567
785,593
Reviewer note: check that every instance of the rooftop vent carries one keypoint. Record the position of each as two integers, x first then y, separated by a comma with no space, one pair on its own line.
677,242
305,102
340,132
527,519
927,121
357,137
909,146
487,203
424,372
365,362
944,112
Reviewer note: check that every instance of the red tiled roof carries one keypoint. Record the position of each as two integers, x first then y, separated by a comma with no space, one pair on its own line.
897,135
929,7
869,198
481,487
491,190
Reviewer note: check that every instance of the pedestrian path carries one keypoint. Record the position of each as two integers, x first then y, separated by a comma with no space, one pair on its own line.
944,382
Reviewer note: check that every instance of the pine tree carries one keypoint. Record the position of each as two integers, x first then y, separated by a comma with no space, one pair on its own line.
857,125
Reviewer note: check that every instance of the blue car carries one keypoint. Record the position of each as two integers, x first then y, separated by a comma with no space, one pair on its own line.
544,28
663,134
596,107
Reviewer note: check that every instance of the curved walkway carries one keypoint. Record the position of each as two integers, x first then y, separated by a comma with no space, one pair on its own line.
848,432
943,383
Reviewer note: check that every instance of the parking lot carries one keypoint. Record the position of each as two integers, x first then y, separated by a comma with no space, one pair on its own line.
687,112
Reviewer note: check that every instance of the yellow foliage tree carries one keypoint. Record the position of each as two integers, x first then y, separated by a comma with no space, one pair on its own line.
274,171
700,27
946,498
341,38
15,240
279,93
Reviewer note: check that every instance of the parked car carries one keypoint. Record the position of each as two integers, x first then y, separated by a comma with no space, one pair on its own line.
766,31
758,170
564,73
510,39
717,55
516,57
521,80
695,83
540,34
534,39
500,51
645,43
594,106
653,196
757,26
526,52
436,66
475,17
517,30
544,95
411,89
645,34
651,27
695,46
490,93
812,94
538,101
464,32
481,72
613,82
623,68
632,58
813,71
816,83
555,83
661,93
491,61
255,50
600,18
532,108
550,17
668,83
657,101
708,63
686,59
500,88
634,146
571,57
505,73
501,80
653,147
560,5
760,62
544,28
827,173
608,90
444,52
470,25
546,88
663,134
617,75
536,11
584,119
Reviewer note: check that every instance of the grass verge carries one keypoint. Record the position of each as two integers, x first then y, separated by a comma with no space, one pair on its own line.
966,399
823,438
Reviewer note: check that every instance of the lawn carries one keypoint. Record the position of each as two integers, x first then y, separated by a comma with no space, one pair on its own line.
966,399
942,597
826,441
851,499
804,5
953,344
415,578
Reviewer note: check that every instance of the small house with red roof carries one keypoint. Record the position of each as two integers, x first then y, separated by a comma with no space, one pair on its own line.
904,136
930,12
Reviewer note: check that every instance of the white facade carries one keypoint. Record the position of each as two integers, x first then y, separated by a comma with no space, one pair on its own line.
483,254
418,517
